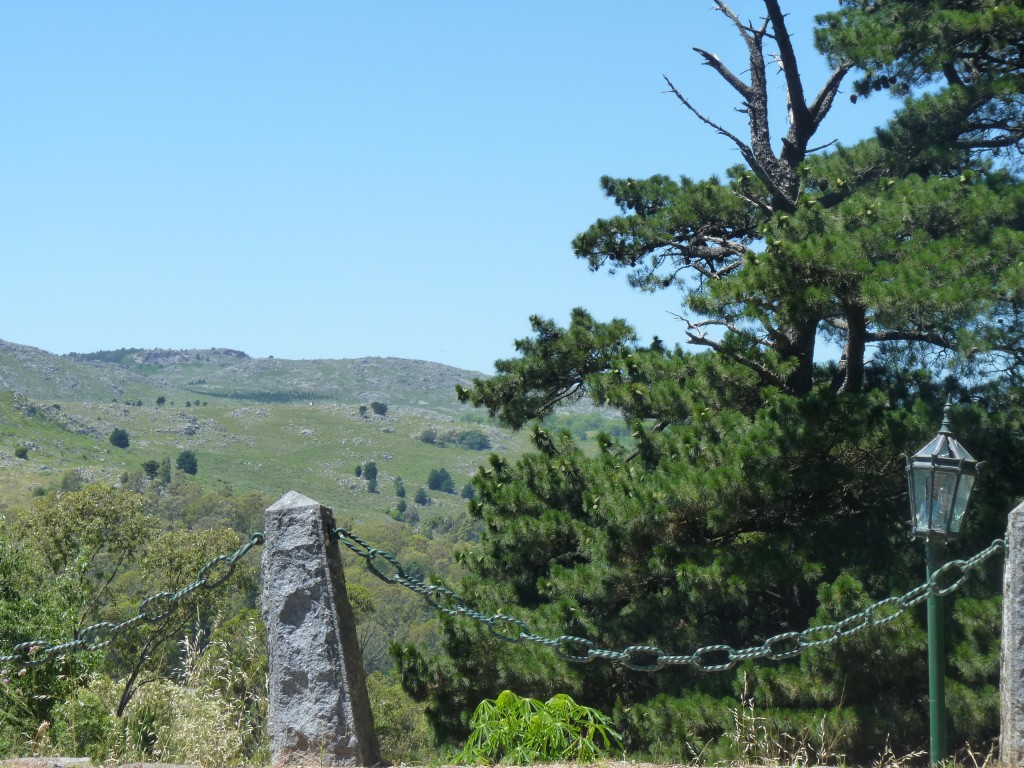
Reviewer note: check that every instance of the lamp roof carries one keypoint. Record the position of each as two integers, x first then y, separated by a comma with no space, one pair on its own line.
944,446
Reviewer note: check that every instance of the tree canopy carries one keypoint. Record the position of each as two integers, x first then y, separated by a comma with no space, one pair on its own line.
761,487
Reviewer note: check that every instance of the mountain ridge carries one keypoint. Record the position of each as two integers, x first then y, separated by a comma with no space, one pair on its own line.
223,372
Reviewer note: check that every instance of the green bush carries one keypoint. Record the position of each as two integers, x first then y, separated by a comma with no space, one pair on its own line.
119,438
521,731
474,440
84,725
401,725
21,452
187,462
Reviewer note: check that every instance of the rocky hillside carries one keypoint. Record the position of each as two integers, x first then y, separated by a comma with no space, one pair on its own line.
139,374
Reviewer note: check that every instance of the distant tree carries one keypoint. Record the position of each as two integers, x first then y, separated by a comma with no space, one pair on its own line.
151,467
399,488
370,471
371,485
359,470
164,475
381,409
119,438
188,403
474,439
21,452
429,435
362,410
468,491
401,506
161,400
440,480
187,462
421,497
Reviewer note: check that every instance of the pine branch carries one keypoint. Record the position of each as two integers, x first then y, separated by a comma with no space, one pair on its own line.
699,338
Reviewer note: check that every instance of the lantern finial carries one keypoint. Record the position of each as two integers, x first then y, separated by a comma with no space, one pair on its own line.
946,428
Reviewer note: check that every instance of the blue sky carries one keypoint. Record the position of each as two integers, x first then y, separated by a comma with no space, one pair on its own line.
345,179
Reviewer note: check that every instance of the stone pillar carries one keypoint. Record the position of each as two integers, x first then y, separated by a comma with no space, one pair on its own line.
319,711
1011,672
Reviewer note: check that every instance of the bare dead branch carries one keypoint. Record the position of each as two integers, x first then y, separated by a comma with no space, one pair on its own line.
706,120
712,60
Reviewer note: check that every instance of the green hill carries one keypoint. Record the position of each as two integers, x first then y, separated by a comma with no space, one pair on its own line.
257,424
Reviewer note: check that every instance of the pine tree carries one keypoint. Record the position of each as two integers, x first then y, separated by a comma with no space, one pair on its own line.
759,492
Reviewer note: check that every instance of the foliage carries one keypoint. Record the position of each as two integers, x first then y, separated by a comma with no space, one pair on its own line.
474,439
399,722
21,452
151,467
119,438
187,462
521,731
33,607
381,409
87,539
440,480
421,497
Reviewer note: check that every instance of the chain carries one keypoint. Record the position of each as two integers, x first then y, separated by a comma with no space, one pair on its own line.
152,610
641,658
649,658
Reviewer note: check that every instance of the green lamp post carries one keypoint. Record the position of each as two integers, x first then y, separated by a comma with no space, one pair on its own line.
940,477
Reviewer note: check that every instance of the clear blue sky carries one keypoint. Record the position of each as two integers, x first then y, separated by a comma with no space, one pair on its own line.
343,179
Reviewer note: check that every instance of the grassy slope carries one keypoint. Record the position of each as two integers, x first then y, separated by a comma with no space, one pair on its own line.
312,446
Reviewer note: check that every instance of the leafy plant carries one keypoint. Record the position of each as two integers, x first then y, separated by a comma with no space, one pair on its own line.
515,730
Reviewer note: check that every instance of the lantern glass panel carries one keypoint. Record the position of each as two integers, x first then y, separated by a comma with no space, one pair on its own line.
921,478
943,495
960,506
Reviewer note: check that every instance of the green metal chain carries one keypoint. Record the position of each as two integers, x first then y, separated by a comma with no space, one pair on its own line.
649,658
642,658
152,610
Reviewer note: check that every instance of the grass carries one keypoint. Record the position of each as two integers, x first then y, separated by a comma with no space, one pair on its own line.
270,448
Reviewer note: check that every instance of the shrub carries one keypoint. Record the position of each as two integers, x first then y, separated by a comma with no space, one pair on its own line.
381,409
428,436
401,724
421,497
21,452
187,462
119,438
474,440
151,467
440,480
522,731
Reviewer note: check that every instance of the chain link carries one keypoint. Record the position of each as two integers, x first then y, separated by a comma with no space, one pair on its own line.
580,650
649,658
152,610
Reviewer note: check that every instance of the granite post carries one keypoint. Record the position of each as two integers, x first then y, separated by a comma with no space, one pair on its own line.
319,710
1011,672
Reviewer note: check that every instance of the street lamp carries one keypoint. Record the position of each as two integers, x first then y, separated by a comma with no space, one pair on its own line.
940,477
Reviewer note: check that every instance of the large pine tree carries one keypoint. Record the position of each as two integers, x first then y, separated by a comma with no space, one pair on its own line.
761,492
